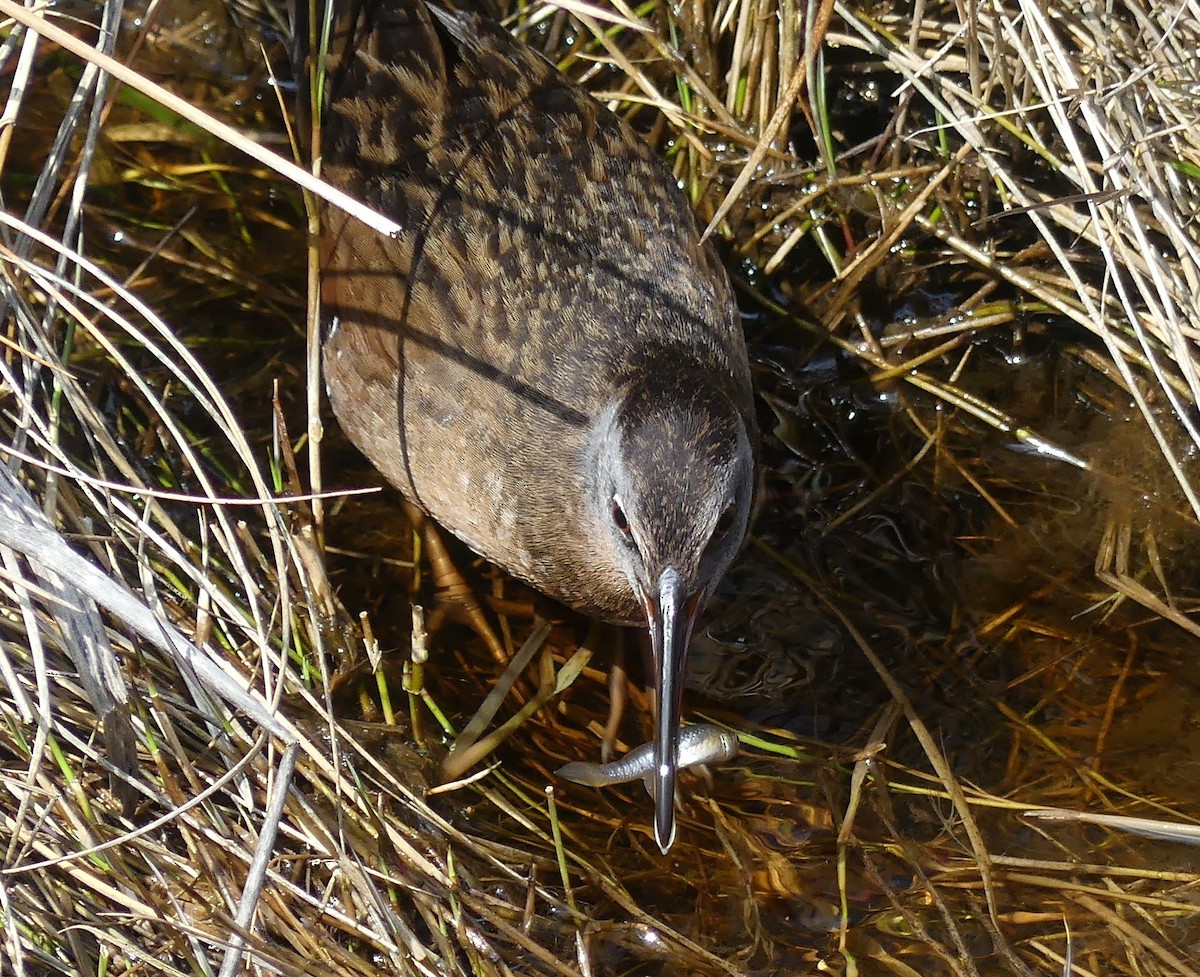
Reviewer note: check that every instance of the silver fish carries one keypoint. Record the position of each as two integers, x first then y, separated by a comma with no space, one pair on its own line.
702,743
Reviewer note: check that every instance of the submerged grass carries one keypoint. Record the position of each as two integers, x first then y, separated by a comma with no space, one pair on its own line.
966,238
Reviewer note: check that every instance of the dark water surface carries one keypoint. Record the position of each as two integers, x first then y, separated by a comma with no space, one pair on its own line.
965,561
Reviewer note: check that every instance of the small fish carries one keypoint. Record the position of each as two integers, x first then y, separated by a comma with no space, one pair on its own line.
702,743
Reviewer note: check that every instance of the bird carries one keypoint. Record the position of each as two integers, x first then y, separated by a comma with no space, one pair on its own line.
547,359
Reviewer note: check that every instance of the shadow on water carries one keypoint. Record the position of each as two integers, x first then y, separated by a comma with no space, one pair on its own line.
965,561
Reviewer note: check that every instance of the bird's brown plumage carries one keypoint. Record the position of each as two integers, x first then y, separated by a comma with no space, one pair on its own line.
546,258
546,359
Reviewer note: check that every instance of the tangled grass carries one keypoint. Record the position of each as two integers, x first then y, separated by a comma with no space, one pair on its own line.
166,569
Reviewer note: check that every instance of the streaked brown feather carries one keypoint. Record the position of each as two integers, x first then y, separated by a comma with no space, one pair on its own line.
547,262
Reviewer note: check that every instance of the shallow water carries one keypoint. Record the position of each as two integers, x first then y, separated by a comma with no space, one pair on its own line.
965,561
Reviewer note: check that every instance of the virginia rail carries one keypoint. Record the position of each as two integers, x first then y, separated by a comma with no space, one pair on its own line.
547,360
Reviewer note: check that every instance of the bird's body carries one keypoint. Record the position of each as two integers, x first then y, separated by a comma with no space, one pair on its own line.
547,348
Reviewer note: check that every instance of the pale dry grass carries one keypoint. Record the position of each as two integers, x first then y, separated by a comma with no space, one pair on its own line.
162,569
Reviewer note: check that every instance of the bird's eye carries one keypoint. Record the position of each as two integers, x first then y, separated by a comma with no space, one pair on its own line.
725,523
620,520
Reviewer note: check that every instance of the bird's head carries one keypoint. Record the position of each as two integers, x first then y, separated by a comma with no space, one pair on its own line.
670,486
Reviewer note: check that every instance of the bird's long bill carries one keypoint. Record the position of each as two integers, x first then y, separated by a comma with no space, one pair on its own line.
671,614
